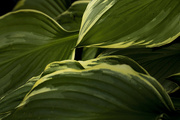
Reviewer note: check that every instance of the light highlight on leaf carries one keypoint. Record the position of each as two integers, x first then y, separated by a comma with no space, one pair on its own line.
130,23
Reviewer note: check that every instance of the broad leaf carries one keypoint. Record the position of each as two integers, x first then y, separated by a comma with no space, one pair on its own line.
100,92
159,62
50,7
113,60
10,101
71,18
124,23
29,40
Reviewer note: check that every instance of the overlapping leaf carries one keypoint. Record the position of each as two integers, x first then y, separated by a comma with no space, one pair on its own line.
176,95
159,62
113,60
124,23
29,40
10,101
69,90
71,18
175,78
50,7
89,53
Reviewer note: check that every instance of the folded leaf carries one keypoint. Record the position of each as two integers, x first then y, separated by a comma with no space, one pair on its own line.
159,62
100,92
71,18
50,7
29,40
89,53
113,60
175,78
175,96
10,101
127,23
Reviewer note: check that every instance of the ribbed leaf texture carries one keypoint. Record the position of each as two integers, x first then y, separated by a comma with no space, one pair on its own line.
130,23
29,40
109,90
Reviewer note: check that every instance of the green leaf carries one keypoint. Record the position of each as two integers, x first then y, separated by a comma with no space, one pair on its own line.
175,78
89,53
29,40
71,18
127,23
50,7
10,101
159,62
100,92
113,60
175,96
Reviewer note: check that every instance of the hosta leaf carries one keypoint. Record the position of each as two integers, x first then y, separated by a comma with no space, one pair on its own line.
175,78
176,95
51,7
89,53
14,98
71,18
100,92
29,40
113,60
124,23
159,62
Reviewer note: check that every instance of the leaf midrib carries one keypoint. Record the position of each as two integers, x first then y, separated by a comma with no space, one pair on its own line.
65,39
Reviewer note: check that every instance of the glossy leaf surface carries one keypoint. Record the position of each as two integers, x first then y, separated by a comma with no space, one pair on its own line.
130,23
29,40
10,101
106,91
113,60
159,62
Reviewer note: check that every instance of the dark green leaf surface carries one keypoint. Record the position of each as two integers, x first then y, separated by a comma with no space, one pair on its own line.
89,53
176,102
127,23
100,92
175,78
50,7
175,96
29,40
160,62
71,18
10,101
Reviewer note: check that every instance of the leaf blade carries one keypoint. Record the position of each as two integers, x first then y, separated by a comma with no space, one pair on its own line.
50,7
99,92
158,26
25,41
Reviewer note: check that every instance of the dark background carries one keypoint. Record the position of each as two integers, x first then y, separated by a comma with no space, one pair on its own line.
7,5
